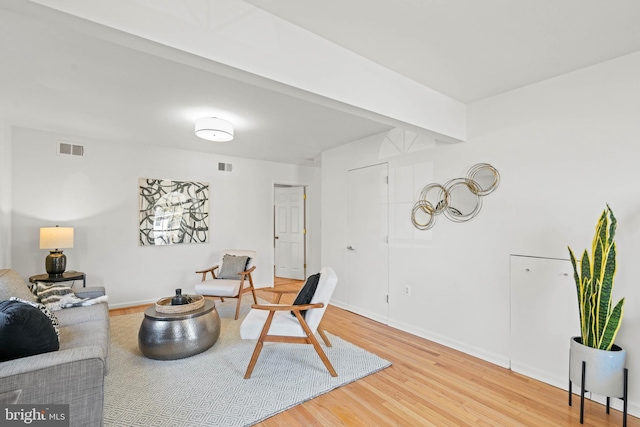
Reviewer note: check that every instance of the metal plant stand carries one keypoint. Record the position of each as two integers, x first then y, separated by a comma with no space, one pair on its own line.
583,390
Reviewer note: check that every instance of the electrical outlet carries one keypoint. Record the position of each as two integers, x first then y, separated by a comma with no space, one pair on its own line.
407,289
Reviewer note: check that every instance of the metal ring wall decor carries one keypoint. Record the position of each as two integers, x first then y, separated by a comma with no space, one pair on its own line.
421,208
472,188
480,173
460,199
442,196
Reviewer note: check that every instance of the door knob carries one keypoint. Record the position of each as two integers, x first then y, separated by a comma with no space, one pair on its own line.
350,248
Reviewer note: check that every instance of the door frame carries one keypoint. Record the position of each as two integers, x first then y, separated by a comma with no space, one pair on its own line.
305,218
379,317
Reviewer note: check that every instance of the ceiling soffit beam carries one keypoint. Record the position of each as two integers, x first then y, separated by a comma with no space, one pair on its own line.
245,38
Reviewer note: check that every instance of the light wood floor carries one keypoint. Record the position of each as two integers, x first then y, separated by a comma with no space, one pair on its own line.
429,385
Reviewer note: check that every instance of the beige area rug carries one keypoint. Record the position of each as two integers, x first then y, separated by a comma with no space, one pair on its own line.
208,389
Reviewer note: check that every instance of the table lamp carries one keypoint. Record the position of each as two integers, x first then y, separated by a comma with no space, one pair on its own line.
55,239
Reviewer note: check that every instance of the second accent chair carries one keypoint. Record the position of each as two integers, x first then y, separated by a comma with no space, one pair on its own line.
292,323
231,278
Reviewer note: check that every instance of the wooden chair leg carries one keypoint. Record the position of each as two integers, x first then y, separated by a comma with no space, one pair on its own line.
238,306
254,359
259,344
324,336
311,339
253,290
323,356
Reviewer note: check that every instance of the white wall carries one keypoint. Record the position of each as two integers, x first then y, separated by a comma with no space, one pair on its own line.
564,147
97,194
5,195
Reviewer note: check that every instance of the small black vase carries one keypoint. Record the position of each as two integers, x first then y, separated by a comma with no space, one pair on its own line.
180,299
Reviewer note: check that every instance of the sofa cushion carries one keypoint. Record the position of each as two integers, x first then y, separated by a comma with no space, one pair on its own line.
220,287
74,315
281,324
24,331
89,334
13,285
10,397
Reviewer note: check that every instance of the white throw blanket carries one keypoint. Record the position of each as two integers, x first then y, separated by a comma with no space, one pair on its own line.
71,300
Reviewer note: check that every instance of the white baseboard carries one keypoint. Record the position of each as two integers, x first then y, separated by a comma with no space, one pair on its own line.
494,358
480,353
545,377
133,303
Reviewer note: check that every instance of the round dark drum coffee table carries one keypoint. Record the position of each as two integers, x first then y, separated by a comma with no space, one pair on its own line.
168,336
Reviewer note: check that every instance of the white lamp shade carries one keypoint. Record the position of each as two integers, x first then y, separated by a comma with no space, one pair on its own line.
214,129
56,237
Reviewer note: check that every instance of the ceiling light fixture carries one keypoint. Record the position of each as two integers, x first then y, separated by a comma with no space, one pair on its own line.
214,129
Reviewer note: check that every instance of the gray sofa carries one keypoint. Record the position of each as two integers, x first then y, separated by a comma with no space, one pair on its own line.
74,374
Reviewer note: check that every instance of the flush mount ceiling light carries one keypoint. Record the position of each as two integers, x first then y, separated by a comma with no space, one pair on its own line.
214,129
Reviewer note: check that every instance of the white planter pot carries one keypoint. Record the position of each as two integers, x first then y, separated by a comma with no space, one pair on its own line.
604,368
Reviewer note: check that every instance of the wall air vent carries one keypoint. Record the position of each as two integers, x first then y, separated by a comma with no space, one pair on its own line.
227,167
69,149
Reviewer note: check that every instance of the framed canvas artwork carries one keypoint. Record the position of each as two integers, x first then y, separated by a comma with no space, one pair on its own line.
173,212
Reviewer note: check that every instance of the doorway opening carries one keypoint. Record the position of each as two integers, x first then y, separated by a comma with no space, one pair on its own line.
289,232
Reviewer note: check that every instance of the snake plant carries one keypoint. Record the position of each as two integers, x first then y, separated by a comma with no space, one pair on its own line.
599,320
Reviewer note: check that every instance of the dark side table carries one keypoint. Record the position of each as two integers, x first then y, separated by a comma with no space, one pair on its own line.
67,276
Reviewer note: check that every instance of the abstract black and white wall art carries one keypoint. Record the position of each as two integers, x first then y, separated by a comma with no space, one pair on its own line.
173,212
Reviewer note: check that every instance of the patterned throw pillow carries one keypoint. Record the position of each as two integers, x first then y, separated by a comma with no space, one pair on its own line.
232,265
56,295
43,308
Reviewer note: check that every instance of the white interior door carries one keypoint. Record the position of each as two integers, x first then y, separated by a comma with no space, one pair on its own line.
367,242
289,232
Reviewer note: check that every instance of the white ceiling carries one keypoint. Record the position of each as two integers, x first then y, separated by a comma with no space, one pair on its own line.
470,49
60,80
57,79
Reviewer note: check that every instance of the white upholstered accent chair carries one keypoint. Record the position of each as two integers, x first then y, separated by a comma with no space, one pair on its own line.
275,323
232,280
